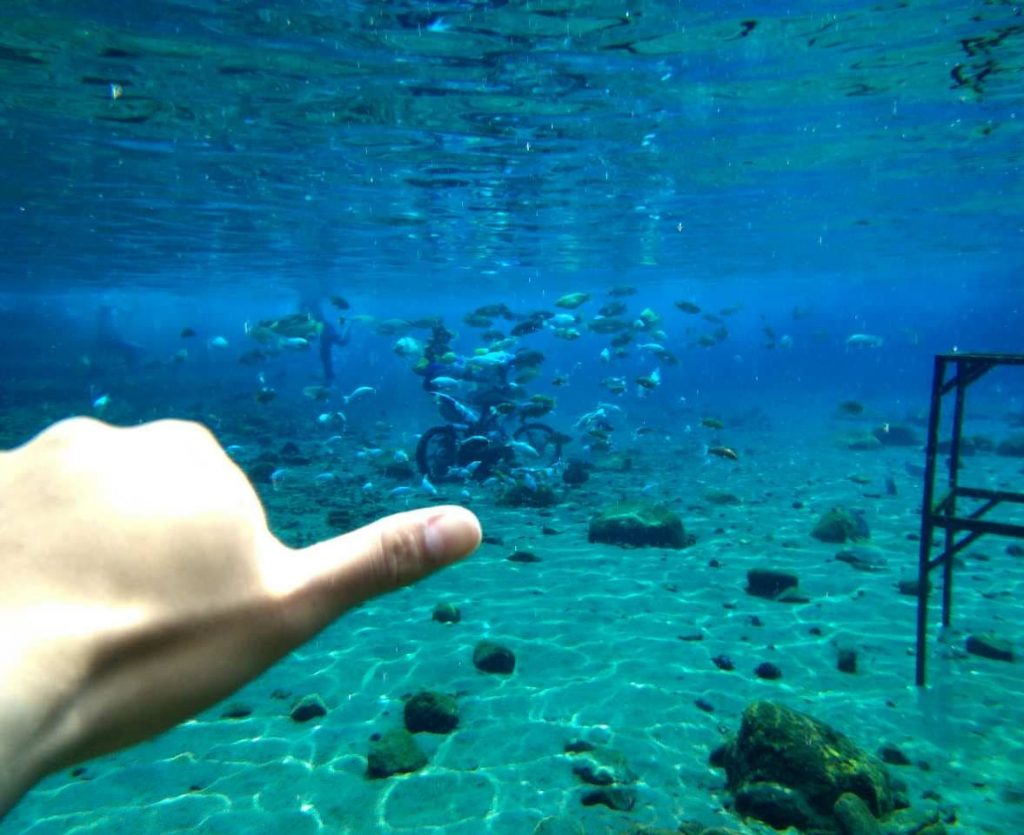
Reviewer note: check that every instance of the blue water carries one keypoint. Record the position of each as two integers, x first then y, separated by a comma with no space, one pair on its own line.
175,174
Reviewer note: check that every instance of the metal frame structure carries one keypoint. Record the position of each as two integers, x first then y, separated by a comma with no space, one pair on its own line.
967,369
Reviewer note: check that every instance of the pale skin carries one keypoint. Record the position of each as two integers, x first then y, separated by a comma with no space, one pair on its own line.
139,584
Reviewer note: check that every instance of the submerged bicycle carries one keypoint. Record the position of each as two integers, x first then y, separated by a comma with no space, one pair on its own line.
480,447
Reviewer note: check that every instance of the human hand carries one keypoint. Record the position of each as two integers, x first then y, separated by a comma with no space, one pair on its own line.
140,585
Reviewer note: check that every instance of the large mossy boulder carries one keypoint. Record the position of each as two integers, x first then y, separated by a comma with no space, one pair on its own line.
840,525
638,525
786,768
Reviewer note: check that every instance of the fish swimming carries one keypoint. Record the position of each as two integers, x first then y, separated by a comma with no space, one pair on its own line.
453,411
491,359
524,448
571,301
864,340
408,346
443,383
724,452
361,391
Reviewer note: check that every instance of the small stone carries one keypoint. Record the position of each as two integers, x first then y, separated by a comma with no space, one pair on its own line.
446,613
862,558
619,798
521,494
705,705
236,711
910,587
989,646
308,707
436,713
768,670
489,657
394,752
1015,549
576,472
603,766
847,661
770,583
723,662
892,755
523,556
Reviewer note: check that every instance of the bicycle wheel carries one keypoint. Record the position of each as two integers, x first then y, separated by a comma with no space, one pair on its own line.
542,438
436,452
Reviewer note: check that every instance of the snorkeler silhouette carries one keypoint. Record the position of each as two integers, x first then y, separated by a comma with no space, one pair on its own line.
311,303
329,337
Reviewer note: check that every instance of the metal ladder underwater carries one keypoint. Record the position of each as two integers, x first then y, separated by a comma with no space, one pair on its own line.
966,369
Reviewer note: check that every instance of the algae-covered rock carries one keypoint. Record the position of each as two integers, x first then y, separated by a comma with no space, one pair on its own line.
489,657
789,769
396,752
602,766
436,713
839,525
308,707
446,613
638,525
523,494
771,583
988,645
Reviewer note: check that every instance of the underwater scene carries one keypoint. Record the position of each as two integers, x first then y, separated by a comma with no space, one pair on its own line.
655,289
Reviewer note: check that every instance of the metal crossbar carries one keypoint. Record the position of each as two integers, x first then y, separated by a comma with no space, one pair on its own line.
967,369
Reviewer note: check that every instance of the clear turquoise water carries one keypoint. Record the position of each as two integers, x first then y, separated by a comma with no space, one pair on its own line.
799,173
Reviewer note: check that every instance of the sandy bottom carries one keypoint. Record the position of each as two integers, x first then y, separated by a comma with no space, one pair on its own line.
599,633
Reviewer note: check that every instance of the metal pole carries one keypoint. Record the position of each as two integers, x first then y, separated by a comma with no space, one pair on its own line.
927,526
964,374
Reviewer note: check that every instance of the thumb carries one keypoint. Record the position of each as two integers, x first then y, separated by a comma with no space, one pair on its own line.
330,577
